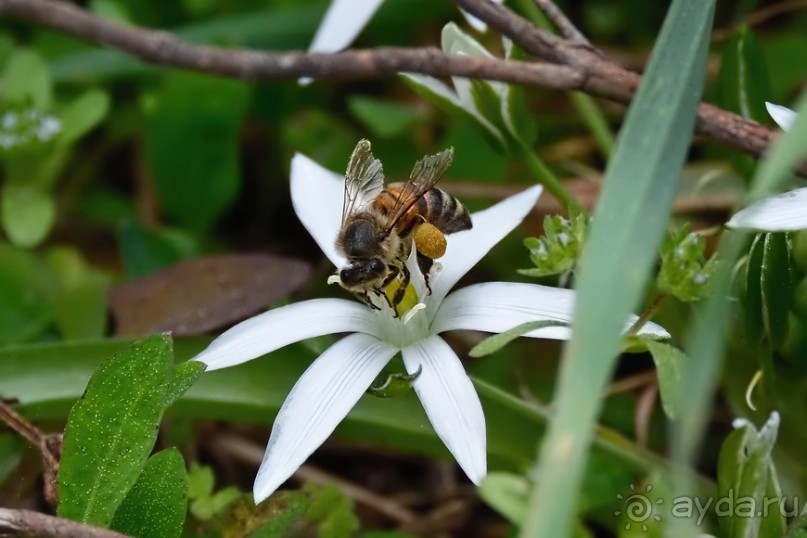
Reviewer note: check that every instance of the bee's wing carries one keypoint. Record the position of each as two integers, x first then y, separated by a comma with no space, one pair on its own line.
425,174
364,179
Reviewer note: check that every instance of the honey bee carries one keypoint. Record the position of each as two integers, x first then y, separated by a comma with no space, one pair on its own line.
381,223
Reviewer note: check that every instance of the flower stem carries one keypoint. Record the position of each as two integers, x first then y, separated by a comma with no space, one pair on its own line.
606,439
647,314
547,178
595,121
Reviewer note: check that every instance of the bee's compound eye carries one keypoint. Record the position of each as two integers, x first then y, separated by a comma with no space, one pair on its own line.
376,266
348,275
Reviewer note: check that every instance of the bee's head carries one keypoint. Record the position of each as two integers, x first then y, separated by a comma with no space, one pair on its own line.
364,272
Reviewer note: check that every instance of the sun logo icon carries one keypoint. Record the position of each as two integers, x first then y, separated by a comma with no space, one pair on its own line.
638,507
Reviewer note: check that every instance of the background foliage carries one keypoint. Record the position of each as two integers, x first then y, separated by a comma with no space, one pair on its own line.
122,180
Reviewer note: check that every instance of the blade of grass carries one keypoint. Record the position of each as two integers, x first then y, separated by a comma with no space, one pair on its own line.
631,216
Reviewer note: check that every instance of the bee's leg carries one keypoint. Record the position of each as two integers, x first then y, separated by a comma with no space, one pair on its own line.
392,275
425,263
401,291
365,298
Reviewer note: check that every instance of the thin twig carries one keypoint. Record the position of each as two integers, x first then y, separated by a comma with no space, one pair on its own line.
30,523
562,23
251,453
576,67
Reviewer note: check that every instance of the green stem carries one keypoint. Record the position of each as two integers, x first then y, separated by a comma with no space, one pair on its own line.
606,439
595,121
585,105
549,180
647,314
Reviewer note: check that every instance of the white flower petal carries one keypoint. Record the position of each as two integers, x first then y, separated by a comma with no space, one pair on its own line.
466,248
320,399
479,26
500,306
451,403
317,194
780,213
282,326
342,23
783,116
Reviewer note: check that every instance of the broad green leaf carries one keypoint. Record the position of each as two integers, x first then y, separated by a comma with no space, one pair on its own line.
185,375
26,296
157,503
111,430
669,363
776,286
26,80
192,146
385,119
82,114
494,343
507,494
631,216
28,214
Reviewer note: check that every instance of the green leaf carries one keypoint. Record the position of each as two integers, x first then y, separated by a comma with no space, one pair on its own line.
26,80
206,505
743,80
632,213
192,146
383,118
157,503
10,455
752,293
111,430
776,286
26,296
185,375
28,214
669,364
273,518
82,114
145,251
80,312
507,494
494,343
332,510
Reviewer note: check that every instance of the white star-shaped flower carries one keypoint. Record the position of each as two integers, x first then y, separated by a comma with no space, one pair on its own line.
336,380
784,212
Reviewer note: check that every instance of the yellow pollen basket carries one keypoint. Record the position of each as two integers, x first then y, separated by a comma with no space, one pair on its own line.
430,241
410,298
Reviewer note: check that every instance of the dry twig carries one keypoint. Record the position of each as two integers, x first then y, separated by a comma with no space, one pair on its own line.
575,67
30,523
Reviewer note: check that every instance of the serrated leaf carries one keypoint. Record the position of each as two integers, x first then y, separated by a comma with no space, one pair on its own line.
192,146
26,80
82,114
494,343
157,503
28,214
111,430
669,362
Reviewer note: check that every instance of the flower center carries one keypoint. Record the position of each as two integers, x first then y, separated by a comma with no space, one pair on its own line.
409,301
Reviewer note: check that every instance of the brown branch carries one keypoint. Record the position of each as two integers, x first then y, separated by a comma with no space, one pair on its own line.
161,48
604,78
562,23
572,65
30,523
49,445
